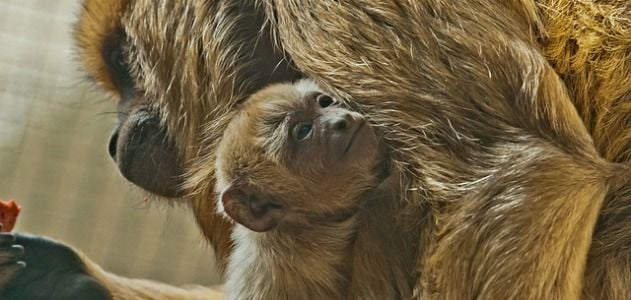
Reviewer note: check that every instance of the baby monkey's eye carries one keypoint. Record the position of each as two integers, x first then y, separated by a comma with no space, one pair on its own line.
302,130
325,100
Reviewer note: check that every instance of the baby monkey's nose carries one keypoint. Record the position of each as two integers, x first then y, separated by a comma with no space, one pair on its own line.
337,118
342,128
342,121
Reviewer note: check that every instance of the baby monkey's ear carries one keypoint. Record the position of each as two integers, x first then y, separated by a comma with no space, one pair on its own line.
254,210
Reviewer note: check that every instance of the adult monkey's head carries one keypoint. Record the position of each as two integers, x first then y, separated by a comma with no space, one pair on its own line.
175,69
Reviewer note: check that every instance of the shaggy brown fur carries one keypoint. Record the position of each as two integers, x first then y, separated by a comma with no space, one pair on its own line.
319,198
589,45
497,168
459,146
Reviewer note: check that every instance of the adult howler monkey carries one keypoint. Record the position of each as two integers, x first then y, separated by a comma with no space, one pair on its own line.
497,115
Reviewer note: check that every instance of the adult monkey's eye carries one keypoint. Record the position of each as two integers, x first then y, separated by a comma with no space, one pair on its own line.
114,57
302,131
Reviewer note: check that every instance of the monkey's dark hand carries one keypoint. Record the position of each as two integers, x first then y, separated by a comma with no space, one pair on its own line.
10,255
52,271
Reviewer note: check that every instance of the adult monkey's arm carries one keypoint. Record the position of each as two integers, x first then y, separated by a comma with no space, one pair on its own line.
58,271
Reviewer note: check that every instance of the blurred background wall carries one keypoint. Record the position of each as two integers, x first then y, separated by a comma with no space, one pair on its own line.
53,132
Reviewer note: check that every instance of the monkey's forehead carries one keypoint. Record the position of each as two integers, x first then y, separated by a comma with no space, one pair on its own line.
266,112
256,170
286,93
274,98
244,147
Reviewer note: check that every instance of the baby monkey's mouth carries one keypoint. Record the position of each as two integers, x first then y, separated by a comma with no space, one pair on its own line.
354,135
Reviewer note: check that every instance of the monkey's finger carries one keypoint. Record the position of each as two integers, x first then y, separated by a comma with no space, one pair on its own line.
7,272
11,255
6,239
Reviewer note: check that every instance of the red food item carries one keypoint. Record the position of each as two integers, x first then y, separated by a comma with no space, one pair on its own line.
9,211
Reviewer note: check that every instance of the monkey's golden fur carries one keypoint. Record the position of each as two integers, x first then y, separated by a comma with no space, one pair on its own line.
499,157
486,104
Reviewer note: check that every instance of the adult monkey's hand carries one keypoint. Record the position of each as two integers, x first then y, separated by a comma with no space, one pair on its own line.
10,255
57,271
46,270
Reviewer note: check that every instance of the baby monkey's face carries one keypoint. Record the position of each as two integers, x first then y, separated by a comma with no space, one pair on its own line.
293,154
